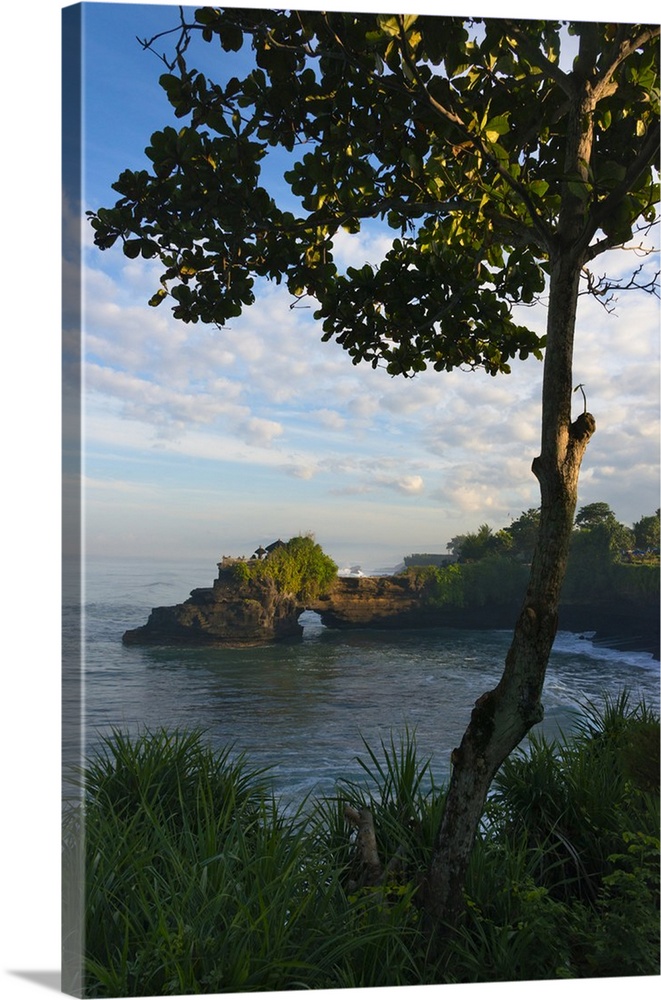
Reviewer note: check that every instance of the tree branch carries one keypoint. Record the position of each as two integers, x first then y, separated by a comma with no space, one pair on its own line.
602,85
538,224
551,69
603,288
184,30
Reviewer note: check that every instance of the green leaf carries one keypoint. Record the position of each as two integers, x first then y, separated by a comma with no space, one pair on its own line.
415,161
158,297
132,248
389,24
539,187
579,189
496,127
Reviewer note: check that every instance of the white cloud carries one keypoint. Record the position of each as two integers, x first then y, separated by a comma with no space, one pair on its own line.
300,471
330,419
257,431
266,395
406,398
369,246
159,405
408,485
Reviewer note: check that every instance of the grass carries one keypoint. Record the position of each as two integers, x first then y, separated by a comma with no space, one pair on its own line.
198,882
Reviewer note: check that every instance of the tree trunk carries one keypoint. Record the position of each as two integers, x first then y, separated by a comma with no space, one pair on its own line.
502,717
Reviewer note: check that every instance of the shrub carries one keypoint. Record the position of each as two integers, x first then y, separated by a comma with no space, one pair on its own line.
198,882
300,569
560,884
492,580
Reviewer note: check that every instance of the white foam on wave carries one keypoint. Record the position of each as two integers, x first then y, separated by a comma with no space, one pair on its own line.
581,644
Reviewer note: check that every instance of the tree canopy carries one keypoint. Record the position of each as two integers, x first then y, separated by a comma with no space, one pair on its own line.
596,528
646,531
457,134
593,514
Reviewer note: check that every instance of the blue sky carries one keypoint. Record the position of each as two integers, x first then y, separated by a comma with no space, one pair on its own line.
199,442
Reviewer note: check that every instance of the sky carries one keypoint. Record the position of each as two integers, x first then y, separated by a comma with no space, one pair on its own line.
199,442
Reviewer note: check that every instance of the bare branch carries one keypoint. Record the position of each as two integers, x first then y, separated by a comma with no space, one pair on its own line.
603,288
372,869
184,30
585,401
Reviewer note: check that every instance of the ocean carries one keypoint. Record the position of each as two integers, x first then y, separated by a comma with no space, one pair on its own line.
303,708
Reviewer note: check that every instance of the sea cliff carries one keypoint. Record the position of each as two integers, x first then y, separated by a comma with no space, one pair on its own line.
230,613
235,612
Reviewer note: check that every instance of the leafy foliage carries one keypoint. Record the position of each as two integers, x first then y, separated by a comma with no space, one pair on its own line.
494,580
440,585
491,568
601,562
198,882
299,568
594,514
483,543
453,133
406,803
598,541
552,883
523,532
646,532
636,583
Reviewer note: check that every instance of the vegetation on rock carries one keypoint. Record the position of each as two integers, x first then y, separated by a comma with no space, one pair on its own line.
300,568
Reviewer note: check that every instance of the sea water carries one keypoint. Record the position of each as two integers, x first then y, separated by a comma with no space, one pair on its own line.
305,708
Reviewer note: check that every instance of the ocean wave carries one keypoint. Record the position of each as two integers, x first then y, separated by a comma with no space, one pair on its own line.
582,644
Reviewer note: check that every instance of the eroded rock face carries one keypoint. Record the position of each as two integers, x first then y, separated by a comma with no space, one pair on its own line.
374,602
237,614
227,614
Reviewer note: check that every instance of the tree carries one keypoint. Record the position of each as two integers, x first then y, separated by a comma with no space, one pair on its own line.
646,532
454,545
524,534
604,533
594,514
594,549
505,157
482,543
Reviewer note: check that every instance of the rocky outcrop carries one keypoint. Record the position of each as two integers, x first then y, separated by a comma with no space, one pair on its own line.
252,613
231,613
398,602
374,602
226,614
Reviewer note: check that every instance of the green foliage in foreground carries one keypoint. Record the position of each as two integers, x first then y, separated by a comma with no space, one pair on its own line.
199,882
299,568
